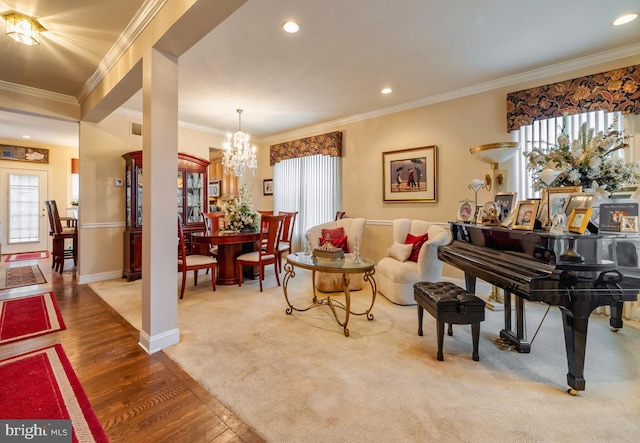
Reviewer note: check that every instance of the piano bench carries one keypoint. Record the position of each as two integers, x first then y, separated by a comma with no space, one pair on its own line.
451,304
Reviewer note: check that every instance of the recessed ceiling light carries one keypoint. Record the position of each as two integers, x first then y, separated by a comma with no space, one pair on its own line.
624,19
290,27
386,90
26,136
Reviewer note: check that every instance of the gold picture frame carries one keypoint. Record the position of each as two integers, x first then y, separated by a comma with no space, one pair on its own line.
410,175
525,214
629,223
559,197
579,219
465,211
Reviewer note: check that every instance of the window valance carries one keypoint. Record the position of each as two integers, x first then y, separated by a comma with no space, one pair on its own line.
326,144
610,91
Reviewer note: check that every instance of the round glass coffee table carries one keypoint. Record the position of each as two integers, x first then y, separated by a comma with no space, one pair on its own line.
345,266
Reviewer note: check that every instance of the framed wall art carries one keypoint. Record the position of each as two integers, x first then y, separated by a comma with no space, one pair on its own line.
214,188
22,154
267,186
526,214
409,175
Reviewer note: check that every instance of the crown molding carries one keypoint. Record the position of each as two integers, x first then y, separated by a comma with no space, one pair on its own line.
135,27
181,124
535,74
39,93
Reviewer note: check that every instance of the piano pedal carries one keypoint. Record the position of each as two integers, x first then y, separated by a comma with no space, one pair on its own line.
503,344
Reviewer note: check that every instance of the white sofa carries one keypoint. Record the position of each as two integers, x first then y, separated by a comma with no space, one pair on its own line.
395,278
353,229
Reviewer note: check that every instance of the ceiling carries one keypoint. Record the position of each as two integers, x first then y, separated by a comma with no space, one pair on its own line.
333,69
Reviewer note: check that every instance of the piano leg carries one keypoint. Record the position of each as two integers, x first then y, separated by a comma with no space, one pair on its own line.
575,339
616,316
519,338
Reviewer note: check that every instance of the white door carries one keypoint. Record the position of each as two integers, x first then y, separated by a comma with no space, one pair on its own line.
25,225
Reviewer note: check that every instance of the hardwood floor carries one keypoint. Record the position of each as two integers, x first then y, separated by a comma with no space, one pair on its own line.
136,396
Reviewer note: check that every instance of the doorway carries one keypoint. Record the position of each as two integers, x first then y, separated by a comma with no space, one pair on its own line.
25,227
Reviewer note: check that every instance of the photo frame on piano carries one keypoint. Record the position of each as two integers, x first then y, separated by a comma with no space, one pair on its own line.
579,200
611,215
526,214
465,211
557,197
579,219
507,201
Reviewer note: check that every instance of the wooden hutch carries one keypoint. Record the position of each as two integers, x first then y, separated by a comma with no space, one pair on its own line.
192,200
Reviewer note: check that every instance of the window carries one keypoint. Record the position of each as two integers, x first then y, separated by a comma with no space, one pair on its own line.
310,185
545,132
24,208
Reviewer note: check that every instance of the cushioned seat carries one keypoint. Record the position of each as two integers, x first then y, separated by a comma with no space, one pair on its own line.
353,229
395,276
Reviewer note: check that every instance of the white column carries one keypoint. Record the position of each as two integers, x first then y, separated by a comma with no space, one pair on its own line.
159,232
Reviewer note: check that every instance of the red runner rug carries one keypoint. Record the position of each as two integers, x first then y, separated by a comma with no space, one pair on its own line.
41,385
21,276
27,256
26,317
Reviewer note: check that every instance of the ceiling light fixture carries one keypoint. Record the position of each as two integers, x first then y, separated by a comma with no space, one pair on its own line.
291,27
624,19
386,91
23,29
238,155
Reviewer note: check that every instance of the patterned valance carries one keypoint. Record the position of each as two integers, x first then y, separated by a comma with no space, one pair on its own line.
616,90
326,144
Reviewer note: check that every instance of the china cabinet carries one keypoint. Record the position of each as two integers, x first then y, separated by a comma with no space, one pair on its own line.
191,199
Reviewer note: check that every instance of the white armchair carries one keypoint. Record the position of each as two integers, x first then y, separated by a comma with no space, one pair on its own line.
353,229
395,278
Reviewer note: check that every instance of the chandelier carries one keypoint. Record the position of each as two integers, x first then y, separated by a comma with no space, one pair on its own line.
238,155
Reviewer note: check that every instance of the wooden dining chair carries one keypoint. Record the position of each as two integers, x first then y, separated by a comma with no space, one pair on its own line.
340,215
193,262
60,234
212,226
284,245
268,253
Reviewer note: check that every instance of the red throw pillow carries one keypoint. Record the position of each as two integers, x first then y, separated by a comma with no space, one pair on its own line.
337,242
417,241
333,233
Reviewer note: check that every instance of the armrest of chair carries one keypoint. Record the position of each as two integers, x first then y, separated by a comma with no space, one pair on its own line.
70,221
428,257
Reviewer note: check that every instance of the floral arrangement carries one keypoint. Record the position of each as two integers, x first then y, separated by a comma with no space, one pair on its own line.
238,213
585,161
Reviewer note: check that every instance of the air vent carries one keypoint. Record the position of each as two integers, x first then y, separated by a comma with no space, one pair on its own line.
136,128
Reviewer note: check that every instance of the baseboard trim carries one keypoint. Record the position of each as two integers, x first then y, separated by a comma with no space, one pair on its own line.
92,278
160,341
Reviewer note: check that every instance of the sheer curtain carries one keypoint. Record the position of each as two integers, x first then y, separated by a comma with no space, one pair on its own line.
312,186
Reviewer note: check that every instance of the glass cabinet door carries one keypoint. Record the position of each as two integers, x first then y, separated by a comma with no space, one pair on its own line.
195,196
138,177
180,201
128,220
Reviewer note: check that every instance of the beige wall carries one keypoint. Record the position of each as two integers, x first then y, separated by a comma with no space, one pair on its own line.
59,174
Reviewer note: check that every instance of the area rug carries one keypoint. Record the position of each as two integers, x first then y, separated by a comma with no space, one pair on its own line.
41,385
26,317
21,276
27,256
297,378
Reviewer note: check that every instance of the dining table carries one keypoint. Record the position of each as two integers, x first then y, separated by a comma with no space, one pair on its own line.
231,244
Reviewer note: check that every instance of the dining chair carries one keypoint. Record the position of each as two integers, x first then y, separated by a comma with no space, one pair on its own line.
340,215
268,253
61,233
193,262
284,245
212,226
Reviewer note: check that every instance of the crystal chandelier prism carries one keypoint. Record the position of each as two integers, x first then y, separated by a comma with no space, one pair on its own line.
238,155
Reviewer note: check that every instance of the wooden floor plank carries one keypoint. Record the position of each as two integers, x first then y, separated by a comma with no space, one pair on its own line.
136,396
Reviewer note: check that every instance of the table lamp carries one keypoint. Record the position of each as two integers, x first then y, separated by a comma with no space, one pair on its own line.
547,176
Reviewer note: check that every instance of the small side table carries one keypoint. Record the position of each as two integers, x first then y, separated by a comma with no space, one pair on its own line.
344,266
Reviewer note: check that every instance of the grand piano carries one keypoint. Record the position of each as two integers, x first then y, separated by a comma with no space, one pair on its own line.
577,273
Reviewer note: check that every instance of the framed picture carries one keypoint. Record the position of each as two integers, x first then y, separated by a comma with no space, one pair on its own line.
267,186
507,222
507,201
478,215
409,175
214,188
465,210
557,198
611,215
579,219
632,192
526,214
579,200
629,223
22,154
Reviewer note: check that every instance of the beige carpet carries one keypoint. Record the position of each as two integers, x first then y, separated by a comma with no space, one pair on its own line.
297,378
